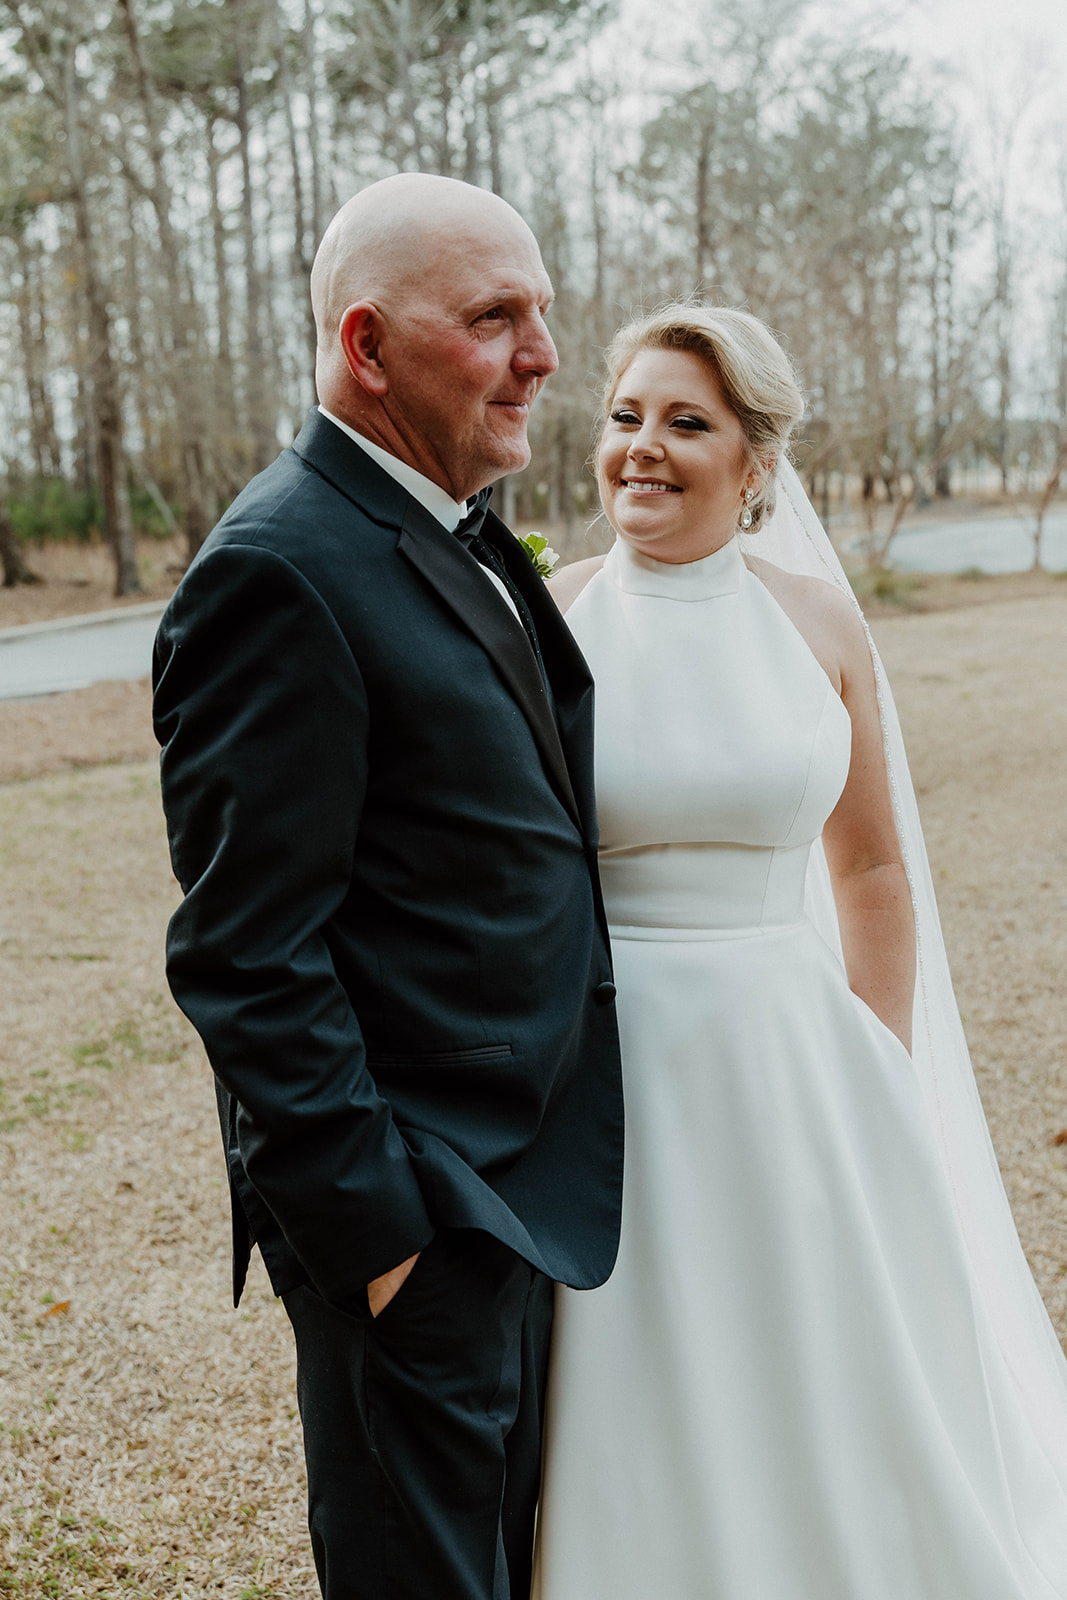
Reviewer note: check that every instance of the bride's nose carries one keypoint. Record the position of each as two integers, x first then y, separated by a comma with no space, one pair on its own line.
645,445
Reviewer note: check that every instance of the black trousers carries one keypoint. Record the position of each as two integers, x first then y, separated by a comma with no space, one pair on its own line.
422,1427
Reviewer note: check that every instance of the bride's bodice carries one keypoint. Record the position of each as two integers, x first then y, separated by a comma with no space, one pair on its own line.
721,745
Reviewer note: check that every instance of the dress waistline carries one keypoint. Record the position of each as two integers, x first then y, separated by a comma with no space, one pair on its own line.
699,891
646,933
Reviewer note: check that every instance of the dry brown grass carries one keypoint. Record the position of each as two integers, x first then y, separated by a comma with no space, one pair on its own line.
79,578
892,594
105,723
981,695
150,1446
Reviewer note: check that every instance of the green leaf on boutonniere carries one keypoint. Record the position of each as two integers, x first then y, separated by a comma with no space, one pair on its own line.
540,553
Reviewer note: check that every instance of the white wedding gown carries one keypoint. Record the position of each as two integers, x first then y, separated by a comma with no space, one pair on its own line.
786,1390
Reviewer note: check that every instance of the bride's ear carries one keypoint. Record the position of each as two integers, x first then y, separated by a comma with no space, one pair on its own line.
760,475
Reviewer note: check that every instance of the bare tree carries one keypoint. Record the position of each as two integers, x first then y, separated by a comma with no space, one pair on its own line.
184,344
11,558
1056,464
831,199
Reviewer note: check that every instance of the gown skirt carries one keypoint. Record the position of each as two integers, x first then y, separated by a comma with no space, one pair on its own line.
787,1389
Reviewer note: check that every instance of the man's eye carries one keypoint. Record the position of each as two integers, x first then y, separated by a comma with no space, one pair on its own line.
494,314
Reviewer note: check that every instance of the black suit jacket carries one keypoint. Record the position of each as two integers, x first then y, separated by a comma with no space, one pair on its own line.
392,940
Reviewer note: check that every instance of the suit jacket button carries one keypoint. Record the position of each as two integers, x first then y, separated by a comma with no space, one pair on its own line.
604,993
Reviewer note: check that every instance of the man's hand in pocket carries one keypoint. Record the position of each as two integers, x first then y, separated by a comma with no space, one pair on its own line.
381,1290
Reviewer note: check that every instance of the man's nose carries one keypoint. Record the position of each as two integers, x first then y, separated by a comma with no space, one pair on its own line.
537,352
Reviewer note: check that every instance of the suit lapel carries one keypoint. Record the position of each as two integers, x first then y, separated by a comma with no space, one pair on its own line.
572,682
445,565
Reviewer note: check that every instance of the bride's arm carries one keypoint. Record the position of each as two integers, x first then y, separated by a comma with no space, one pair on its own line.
863,851
860,838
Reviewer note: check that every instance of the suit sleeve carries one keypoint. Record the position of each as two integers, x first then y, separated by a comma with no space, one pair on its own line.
262,715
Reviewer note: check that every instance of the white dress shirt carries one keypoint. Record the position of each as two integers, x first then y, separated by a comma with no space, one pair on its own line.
448,512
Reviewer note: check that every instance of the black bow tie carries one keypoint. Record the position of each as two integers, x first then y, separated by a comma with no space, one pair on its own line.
471,525
469,533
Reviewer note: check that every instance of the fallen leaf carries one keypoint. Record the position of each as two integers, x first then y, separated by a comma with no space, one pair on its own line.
1059,1138
55,1310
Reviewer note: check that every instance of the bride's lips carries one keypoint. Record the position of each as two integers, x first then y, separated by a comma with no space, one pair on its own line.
650,486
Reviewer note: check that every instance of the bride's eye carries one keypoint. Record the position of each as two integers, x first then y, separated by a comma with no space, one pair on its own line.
691,424
624,415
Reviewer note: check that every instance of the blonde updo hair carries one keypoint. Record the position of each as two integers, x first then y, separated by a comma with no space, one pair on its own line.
757,377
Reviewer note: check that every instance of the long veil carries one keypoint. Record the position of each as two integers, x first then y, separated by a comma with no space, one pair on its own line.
1013,1323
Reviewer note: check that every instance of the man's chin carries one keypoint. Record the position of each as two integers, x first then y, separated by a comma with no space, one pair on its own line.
514,458
502,465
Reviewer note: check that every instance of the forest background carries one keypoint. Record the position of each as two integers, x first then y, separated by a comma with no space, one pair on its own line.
169,165
166,168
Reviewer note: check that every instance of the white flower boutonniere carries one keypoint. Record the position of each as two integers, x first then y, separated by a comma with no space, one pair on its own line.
541,553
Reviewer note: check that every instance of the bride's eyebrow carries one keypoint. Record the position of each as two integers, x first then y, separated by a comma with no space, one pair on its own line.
674,407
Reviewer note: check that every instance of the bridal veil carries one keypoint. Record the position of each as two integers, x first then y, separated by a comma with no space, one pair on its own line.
1008,1309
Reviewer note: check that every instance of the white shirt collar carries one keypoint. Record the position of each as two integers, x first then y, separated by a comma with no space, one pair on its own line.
429,494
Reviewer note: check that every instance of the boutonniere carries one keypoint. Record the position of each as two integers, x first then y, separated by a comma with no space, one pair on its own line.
540,552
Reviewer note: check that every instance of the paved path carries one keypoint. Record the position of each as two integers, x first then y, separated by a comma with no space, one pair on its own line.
48,657
996,544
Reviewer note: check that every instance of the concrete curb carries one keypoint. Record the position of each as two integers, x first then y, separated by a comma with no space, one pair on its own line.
91,619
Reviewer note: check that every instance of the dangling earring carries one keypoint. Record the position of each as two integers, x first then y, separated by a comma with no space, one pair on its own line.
746,514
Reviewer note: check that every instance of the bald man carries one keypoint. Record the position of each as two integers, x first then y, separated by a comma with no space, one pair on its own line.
377,775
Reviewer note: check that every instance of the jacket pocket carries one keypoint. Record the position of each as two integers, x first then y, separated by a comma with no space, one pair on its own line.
486,1055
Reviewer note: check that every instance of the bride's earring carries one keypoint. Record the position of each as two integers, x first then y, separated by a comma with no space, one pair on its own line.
746,514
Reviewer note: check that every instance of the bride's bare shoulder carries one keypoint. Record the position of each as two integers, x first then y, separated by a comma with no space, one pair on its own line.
566,585
821,613
814,598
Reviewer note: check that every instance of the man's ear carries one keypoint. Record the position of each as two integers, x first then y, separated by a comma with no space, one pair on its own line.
360,335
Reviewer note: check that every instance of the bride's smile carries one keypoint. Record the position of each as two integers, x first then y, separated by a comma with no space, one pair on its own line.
672,465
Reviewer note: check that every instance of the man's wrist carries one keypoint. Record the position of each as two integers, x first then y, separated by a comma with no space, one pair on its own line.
354,1303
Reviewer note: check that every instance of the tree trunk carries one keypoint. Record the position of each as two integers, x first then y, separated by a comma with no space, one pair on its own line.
492,126
565,472
106,407
403,35
701,207
44,441
472,161
443,144
1048,493
300,267
941,345
600,246
227,399
505,494
143,384
15,569
264,439
183,333
320,200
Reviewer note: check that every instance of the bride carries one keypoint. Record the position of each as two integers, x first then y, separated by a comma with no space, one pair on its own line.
820,1370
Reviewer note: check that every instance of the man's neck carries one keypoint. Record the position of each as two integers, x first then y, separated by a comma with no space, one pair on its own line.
430,495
